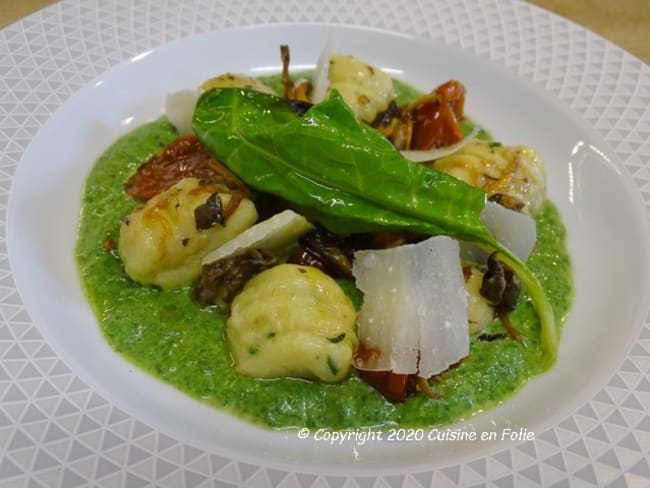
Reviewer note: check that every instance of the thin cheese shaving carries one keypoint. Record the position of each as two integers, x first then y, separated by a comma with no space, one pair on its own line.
414,313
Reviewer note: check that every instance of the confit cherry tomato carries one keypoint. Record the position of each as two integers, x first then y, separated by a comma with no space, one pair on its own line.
436,123
393,386
184,158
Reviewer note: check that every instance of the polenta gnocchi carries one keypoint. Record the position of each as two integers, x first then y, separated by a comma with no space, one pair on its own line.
295,321
160,243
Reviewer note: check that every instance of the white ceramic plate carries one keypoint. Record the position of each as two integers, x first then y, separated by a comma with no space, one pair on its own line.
588,180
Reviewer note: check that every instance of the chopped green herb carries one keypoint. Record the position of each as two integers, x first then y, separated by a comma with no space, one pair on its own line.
270,335
253,350
466,126
483,135
332,365
337,339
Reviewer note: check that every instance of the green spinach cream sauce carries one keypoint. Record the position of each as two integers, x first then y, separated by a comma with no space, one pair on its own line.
167,335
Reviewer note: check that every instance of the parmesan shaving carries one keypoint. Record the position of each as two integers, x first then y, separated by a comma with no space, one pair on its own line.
515,230
415,306
179,109
320,77
433,154
271,234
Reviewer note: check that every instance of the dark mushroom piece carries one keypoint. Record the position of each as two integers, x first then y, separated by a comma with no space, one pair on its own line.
501,288
222,280
210,213
325,251
507,201
299,107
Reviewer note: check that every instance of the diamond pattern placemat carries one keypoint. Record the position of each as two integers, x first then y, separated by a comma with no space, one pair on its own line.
55,430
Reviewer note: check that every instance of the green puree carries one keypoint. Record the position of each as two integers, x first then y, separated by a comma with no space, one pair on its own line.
170,337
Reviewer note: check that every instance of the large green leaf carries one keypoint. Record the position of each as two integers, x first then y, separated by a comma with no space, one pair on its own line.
346,174
342,171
